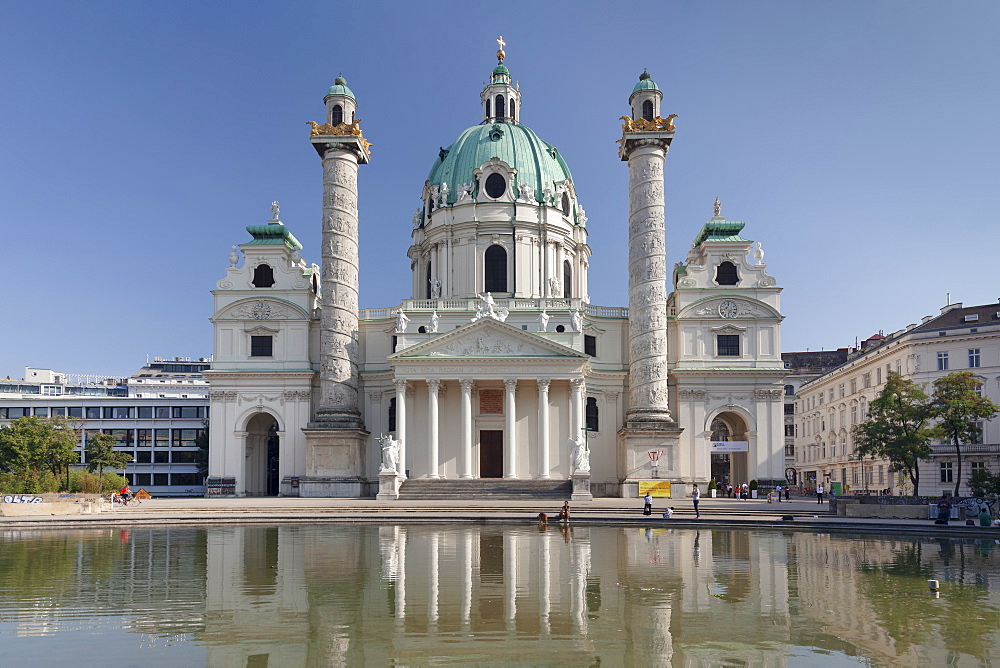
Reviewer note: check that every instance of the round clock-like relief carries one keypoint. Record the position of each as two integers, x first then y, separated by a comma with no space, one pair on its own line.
261,311
728,309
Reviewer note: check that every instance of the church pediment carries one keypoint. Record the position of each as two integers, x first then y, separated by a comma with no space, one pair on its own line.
488,338
728,307
262,309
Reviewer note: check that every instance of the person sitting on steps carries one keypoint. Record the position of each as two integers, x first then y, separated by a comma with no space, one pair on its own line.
564,511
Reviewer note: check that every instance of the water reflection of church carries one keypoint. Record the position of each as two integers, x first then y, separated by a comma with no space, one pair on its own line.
497,362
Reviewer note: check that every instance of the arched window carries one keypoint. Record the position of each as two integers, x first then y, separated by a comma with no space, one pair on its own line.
338,115
512,115
263,276
720,430
565,204
647,110
495,277
498,102
496,185
488,114
567,280
428,282
726,274
592,416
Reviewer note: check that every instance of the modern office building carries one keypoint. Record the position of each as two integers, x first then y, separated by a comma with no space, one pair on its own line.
157,415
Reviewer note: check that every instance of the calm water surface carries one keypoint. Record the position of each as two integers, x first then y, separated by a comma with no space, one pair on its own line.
308,595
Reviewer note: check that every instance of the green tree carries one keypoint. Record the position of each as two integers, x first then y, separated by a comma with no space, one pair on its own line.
958,405
896,427
983,483
101,455
201,455
30,446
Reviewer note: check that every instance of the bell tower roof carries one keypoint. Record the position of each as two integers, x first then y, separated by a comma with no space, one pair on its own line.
339,87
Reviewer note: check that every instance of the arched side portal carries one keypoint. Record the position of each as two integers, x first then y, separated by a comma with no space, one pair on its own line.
261,456
731,467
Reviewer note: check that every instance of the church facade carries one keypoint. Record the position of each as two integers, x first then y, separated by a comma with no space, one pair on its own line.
496,366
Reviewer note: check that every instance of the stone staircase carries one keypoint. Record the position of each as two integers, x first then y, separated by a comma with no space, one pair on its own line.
478,489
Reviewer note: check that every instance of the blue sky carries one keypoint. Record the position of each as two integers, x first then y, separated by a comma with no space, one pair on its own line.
857,140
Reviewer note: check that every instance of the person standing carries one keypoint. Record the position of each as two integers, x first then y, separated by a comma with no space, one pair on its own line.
647,504
819,493
695,498
778,490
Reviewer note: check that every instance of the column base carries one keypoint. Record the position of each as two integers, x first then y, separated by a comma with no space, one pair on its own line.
337,418
635,440
335,461
581,487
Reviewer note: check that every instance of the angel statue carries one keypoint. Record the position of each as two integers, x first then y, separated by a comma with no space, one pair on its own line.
580,457
390,453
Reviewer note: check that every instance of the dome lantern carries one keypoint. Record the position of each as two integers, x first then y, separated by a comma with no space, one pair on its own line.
501,100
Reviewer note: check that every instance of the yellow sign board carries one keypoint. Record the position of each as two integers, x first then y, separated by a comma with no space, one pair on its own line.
655,488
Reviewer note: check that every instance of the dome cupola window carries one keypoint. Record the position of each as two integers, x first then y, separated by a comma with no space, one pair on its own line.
263,276
647,110
498,102
565,204
495,276
337,115
567,280
496,186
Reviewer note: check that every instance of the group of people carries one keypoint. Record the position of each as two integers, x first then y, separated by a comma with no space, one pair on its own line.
734,492
647,504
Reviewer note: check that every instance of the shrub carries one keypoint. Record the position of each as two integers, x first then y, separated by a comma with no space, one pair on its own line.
753,485
712,484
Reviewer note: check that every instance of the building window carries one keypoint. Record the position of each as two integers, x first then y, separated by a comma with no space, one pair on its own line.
430,275
392,414
864,409
591,414
789,409
789,430
337,117
495,268
512,109
854,414
160,479
946,473
261,346
841,390
565,204
866,380
498,103
974,359
979,432
725,274
567,280
590,345
942,360
878,376
488,109
263,276
647,110
185,479
978,466
496,185
161,456
789,390
854,385
728,345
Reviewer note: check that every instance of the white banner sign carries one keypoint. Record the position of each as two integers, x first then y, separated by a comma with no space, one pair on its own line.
730,446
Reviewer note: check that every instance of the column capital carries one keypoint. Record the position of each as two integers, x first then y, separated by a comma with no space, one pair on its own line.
543,384
578,384
433,384
466,384
400,384
510,384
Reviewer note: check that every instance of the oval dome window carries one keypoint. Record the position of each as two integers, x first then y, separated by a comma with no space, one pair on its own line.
496,185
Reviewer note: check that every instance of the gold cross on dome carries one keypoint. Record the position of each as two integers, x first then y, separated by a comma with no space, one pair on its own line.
501,42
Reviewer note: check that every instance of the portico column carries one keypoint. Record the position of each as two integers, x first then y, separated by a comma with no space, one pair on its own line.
543,428
433,385
466,385
401,424
509,437
577,409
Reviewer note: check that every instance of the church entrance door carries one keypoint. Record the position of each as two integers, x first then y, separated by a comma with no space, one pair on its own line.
262,459
491,453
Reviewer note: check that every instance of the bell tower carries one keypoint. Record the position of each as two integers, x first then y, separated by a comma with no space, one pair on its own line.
501,100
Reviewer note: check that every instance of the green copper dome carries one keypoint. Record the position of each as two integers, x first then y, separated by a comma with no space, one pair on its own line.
339,87
645,83
537,163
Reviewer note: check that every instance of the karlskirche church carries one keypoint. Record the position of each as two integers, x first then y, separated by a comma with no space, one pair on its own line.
496,374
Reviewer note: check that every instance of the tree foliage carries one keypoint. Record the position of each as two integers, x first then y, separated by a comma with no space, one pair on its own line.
896,427
958,406
32,446
101,454
984,483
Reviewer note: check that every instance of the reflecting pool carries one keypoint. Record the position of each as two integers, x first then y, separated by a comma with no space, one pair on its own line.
310,595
